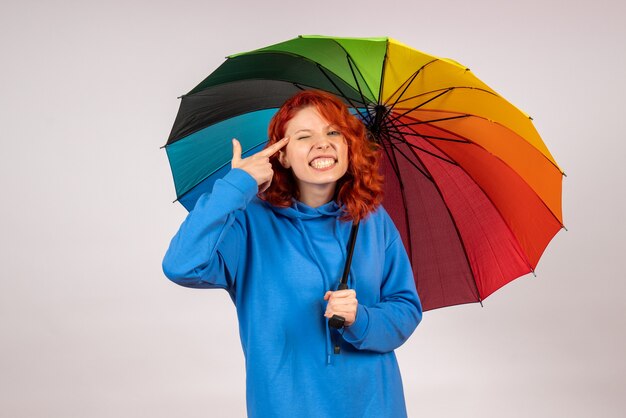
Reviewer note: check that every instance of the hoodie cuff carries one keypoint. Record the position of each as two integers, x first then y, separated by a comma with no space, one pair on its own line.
243,182
356,332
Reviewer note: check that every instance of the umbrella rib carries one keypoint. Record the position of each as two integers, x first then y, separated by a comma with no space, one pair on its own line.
394,166
349,59
395,146
413,146
456,228
352,66
432,120
439,138
447,88
408,82
422,104
382,73
388,109
339,90
396,169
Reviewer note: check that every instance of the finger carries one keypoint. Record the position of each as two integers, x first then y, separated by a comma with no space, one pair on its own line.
342,310
343,302
266,185
273,149
327,295
263,187
336,306
236,151
346,293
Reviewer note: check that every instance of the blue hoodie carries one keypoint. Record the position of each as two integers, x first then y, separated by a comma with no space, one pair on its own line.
277,264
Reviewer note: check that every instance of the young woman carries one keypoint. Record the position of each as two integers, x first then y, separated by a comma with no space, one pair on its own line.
273,233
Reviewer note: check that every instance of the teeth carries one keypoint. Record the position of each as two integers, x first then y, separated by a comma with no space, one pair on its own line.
322,162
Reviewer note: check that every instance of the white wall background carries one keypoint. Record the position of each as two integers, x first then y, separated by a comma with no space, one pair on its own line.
90,327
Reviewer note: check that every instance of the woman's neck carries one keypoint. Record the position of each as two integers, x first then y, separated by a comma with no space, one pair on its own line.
316,195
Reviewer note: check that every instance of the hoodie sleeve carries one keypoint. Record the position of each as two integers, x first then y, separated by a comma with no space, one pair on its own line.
206,250
385,326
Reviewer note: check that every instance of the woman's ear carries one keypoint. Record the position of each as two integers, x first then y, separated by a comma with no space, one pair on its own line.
282,158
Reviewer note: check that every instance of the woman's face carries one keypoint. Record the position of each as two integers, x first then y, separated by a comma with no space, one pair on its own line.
317,152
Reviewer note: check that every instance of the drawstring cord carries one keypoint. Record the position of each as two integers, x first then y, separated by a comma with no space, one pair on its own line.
313,254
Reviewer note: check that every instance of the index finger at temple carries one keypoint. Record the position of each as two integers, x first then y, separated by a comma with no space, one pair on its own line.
271,150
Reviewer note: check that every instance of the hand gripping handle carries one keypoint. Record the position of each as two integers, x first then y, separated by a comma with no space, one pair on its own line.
338,321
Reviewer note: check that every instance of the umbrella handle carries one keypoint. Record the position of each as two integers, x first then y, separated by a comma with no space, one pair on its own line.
338,321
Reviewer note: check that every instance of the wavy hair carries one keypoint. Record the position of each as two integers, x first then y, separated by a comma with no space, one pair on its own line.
359,191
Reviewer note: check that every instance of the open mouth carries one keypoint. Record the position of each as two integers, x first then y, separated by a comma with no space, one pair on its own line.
321,163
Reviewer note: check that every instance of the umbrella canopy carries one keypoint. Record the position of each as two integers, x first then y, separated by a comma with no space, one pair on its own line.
472,188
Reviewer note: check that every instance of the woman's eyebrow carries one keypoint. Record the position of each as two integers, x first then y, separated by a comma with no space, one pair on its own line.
308,130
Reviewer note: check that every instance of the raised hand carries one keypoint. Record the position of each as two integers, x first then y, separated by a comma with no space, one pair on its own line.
257,165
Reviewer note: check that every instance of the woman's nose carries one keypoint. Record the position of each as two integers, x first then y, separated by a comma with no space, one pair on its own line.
322,143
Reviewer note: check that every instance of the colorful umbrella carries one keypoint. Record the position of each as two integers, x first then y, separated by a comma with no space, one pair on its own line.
469,183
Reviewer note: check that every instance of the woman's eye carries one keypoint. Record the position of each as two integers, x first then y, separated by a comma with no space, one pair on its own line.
334,133
303,137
